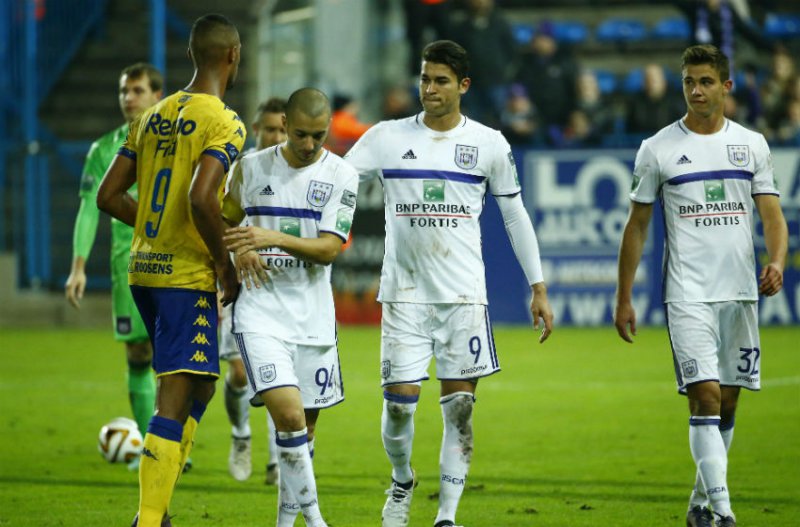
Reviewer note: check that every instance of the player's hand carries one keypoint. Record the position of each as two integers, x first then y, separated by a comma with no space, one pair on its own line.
770,281
74,287
249,238
226,274
250,268
540,309
625,316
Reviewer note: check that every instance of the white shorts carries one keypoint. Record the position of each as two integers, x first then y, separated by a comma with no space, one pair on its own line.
459,336
715,341
274,363
228,350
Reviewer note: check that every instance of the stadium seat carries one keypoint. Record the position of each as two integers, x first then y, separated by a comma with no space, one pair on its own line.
606,81
620,30
633,81
782,25
672,28
570,32
523,33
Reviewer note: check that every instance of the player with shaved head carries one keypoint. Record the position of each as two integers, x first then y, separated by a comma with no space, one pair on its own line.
178,153
297,201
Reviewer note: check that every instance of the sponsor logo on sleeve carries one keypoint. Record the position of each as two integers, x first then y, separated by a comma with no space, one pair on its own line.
349,198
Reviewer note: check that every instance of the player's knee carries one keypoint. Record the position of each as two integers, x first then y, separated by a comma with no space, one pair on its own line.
204,390
728,412
458,409
289,419
139,352
399,411
236,378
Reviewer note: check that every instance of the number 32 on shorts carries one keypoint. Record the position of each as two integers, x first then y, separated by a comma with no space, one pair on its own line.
749,361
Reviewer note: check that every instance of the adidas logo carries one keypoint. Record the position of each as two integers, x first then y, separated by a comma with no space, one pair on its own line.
683,160
266,191
409,155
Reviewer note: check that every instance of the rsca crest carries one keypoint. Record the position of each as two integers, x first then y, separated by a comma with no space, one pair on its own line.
689,368
466,157
319,193
739,155
267,373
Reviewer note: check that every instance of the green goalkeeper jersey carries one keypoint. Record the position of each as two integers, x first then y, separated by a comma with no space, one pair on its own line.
98,159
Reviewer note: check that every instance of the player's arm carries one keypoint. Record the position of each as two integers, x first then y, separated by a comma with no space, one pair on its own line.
526,248
207,217
630,253
776,239
322,250
232,211
112,196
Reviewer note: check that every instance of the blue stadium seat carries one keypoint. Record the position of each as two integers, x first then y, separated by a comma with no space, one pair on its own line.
570,32
672,28
620,30
606,81
782,25
633,81
523,33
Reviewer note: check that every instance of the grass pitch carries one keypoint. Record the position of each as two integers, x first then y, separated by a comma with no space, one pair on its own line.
582,431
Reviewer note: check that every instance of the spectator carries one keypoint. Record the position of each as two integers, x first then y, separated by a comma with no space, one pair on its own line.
345,126
486,35
788,131
426,20
774,89
519,121
548,73
597,109
397,103
650,110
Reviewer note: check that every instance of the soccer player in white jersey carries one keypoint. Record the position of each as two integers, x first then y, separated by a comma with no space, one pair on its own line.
436,168
299,201
269,130
706,171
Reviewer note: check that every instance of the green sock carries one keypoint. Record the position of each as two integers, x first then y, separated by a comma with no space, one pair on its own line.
142,393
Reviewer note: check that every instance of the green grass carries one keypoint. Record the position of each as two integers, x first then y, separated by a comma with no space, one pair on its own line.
583,431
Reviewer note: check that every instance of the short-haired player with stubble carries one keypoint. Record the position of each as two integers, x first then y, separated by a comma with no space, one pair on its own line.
269,129
706,171
178,152
436,168
297,201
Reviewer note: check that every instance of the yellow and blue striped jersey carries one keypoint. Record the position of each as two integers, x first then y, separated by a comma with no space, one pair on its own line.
167,142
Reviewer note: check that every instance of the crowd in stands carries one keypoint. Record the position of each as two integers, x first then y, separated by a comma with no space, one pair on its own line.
529,83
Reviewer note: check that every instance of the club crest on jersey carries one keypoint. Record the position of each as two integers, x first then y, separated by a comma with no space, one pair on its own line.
319,193
739,155
386,369
466,157
267,372
689,368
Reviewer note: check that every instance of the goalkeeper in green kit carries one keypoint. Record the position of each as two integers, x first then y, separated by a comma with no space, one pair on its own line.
140,86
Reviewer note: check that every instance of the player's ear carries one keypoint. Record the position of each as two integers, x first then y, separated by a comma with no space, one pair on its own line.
464,85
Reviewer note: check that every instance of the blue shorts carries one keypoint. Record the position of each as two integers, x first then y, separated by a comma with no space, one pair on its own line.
182,324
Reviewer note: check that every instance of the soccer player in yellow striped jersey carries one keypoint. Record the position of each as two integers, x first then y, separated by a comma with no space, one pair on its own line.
178,153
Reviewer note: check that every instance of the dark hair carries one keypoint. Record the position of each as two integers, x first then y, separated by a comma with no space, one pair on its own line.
210,38
309,101
449,53
271,105
140,69
707,54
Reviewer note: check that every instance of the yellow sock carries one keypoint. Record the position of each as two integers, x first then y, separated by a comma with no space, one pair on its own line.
158,469
187,441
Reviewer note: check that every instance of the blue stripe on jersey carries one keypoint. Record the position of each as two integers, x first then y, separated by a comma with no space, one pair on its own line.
397,173
284,211
220,156
711,174
127,152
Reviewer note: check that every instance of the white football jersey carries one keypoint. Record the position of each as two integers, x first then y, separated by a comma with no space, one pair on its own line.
706,185
296,303
434,186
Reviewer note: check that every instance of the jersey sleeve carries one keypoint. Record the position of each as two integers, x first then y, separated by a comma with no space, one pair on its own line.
764,177
337,215
646,184
503,179
362,156
225,138
130,147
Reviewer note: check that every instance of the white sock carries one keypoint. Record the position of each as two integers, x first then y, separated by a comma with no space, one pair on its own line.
288,508
273,448
238,408
298,474
699,497
456,452
397,431
708,452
